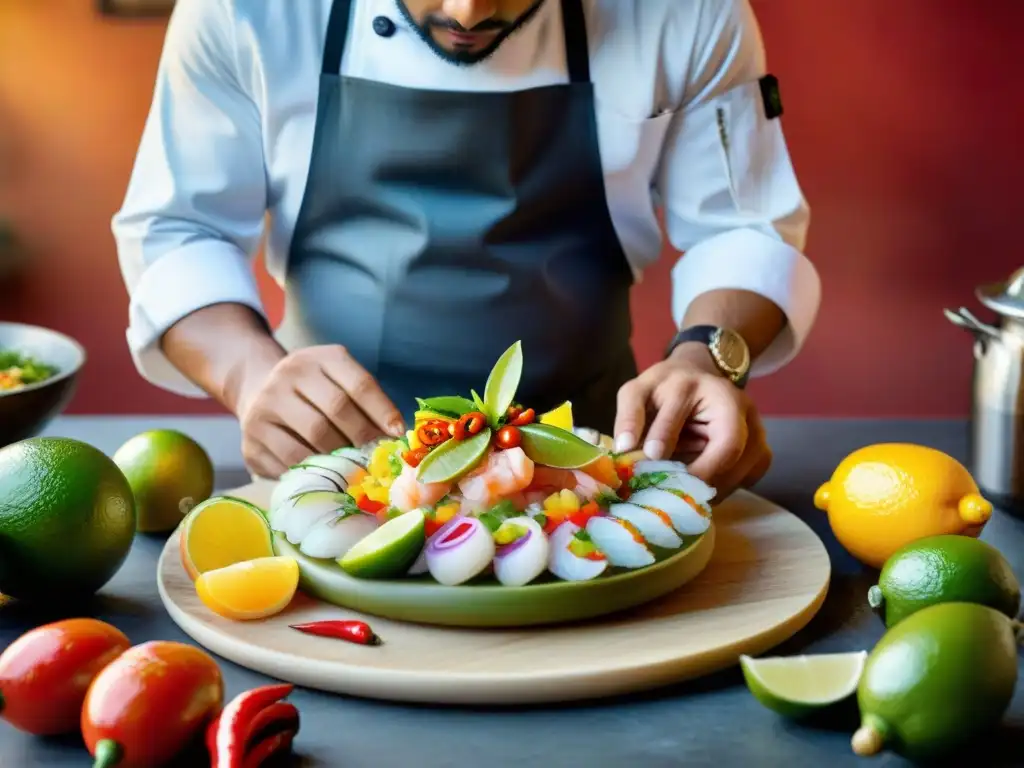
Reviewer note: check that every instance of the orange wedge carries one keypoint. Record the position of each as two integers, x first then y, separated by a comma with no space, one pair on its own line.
223,531
251,590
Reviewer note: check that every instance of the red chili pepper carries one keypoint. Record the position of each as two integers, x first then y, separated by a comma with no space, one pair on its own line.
587,511
370,506
433,432
509,437
236,719
281,716
524,418
268,748
469,424
413,457
513,413
357,632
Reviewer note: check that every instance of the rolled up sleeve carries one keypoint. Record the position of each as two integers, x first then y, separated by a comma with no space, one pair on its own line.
193,213
732,201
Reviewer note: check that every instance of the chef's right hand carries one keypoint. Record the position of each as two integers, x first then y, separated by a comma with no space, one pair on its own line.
311,401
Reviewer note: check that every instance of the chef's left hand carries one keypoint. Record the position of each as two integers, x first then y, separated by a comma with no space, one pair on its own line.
684,408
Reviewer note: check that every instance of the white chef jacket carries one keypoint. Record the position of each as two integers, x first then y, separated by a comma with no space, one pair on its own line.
681,121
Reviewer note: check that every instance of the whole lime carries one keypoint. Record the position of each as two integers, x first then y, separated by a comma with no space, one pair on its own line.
67,519
169,473
944,569
937,680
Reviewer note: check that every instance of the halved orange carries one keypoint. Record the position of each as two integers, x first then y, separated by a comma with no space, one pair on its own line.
251,590
223,531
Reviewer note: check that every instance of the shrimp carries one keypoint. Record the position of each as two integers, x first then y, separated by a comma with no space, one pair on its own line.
586,487
502,474
408,493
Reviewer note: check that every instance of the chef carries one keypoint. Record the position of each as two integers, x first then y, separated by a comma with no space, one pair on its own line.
436,179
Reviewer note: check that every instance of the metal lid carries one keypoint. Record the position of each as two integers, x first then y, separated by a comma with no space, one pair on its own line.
1005,298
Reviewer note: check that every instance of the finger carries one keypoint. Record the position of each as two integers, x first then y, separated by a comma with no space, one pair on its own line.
727,437
756,459
261,462
309,424
630,414
346,371
354,425
328,402
286,446
674,405
690,448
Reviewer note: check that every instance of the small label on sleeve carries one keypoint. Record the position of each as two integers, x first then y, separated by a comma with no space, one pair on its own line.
771,96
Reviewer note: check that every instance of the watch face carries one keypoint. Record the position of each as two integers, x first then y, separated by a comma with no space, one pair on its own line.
731,351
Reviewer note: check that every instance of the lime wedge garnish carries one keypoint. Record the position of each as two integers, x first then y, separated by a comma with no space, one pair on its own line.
453,458
443,406
390,550
503,382
554,447
797,686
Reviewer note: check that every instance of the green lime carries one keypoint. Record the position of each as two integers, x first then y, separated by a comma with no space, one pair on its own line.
936,681
169,474
944,569
555,447
67,519
454,458
503,382
390,550
798,686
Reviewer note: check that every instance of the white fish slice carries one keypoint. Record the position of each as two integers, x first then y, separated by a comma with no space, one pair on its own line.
689,484
307,509
647,466
651,525
345,467
302,479
619,544
333,537
685,519
564,564
353,454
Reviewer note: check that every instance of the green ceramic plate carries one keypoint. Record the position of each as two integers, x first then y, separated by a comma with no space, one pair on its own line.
488,604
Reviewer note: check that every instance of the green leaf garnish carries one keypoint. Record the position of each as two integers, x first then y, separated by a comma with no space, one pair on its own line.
556,447
478,402
448,405
503,383
651,479
454,458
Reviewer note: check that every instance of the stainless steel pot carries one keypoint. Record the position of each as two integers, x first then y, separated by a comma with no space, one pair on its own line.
997,419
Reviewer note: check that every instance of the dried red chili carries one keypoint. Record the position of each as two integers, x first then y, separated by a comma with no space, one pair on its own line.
524,418
236,719
357,632
433,432
509,437
469,424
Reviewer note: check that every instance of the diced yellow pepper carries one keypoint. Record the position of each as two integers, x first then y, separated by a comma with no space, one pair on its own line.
414,441
379,493
445,513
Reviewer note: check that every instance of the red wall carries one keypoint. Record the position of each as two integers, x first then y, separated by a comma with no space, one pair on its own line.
903,120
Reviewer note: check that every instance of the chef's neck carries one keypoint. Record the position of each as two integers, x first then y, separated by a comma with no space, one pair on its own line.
467,31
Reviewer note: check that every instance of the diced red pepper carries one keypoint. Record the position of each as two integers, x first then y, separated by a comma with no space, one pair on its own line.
587,511
370,506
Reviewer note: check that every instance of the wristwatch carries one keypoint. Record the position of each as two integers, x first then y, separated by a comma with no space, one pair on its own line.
727,348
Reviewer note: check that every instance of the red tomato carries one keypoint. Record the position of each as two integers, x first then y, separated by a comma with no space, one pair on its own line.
45,673
148,705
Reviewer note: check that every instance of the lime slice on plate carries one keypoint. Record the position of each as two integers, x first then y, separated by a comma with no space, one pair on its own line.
554,447
454,458
388,551
797,686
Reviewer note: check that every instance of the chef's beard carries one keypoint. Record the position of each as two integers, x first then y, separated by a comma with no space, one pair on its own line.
467,58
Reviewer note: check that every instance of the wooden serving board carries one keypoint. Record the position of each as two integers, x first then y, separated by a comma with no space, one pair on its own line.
767,577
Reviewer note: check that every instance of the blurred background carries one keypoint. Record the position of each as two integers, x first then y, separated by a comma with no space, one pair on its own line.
903,120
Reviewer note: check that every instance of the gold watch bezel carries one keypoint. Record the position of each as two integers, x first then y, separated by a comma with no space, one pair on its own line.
730,352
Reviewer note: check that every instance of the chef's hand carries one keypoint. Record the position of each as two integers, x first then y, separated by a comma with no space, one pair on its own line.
311,401
684,408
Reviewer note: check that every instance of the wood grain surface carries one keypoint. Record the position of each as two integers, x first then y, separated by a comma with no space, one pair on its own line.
767,578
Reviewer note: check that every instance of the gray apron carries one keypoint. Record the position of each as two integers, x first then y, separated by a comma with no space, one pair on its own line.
439,227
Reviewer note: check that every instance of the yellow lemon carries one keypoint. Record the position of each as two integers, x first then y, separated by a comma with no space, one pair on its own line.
884,496
560,417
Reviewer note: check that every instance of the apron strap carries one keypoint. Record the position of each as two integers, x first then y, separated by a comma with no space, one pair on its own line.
573,21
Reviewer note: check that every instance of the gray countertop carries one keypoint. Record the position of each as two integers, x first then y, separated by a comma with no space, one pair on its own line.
710,722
